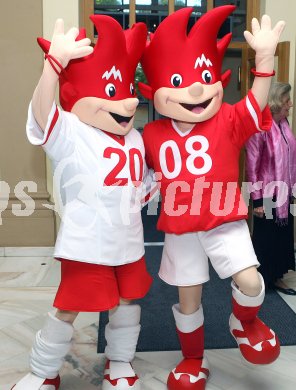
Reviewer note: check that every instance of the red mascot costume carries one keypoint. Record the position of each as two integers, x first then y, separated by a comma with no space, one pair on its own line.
195,151
99,160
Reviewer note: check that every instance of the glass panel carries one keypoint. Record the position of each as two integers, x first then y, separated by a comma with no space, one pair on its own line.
198,5
237,22
199,8
180,4
151,12
118,9
143,2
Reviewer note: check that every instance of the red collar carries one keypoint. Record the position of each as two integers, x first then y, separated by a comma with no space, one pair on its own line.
119,138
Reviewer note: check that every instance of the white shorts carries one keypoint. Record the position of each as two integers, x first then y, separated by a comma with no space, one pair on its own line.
185,257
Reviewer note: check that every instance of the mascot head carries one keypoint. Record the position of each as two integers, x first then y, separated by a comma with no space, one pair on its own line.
99,88
184,69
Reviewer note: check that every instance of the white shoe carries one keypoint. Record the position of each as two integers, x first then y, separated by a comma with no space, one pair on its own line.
120,376
34,382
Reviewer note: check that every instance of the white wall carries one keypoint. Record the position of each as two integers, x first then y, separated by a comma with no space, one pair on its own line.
52,10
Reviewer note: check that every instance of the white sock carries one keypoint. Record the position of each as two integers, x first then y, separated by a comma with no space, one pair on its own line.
51,345
122,333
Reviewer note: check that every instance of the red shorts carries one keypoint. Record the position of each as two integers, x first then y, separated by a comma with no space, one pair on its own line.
94,287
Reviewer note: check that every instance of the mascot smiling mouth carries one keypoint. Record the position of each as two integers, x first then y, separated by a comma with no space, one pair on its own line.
195,108
120,119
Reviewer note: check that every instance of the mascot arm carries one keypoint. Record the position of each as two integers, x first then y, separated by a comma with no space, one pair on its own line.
263,40
63,48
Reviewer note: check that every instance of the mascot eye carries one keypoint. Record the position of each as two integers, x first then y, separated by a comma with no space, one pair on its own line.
110,90
132,89
176,80
206,76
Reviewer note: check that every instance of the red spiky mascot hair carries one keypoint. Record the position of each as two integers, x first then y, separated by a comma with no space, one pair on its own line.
117,51
186,54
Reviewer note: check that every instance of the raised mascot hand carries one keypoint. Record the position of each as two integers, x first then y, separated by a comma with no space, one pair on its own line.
264,39
64,47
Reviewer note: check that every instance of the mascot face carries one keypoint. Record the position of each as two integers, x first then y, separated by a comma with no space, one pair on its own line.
105,112
99,88
184,70
192,104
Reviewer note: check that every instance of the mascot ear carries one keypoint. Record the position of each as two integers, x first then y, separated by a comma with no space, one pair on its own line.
225,78
44,44
68,95
146,90
68,91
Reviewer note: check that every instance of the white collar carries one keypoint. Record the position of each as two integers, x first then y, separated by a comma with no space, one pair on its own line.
181,133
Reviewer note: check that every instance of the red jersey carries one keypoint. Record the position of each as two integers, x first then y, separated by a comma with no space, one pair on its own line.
199,169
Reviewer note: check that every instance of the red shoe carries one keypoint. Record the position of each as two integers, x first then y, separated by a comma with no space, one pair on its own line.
257,342
121,383
189,374
33,382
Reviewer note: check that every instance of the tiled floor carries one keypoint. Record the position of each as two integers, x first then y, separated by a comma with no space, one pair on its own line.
28,281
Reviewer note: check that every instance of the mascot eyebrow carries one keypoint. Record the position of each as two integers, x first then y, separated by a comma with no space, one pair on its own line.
113,72
200,60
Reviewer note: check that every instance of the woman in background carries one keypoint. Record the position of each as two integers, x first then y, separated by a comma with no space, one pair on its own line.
271,156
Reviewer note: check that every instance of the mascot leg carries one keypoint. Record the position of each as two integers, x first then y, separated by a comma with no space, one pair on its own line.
257,342
122,333
193,371
51,345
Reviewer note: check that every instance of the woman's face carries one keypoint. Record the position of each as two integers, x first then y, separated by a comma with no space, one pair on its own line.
286,105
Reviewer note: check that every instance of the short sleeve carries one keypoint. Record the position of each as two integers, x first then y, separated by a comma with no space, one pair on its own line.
58,137
249,119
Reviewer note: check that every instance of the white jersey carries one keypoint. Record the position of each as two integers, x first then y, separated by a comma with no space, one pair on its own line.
100,181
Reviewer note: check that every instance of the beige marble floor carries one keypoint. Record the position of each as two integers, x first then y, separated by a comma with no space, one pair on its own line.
28,282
